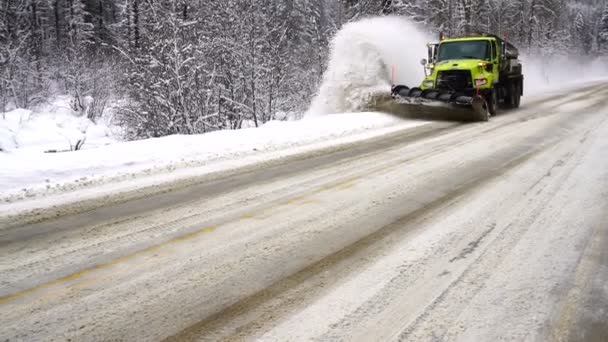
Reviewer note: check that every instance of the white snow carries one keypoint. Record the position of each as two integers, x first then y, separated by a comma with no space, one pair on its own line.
33,174
367,57
51,127
552,73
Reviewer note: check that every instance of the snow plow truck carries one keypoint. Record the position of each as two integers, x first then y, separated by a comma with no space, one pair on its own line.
466,77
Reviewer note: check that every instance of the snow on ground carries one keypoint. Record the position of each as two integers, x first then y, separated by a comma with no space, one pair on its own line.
367,57
54,126
28,175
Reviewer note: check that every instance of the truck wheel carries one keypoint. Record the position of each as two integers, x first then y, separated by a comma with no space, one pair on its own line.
516,96
484,116
513,98
507,101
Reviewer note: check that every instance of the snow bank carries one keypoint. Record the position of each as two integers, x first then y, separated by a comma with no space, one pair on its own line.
32,174
365,55
51,127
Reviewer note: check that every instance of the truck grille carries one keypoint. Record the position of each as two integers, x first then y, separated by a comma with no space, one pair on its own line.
454,80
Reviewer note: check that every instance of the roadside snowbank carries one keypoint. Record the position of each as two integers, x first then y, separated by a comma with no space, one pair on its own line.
31,174
51,127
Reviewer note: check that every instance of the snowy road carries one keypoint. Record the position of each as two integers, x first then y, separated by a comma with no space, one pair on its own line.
444,231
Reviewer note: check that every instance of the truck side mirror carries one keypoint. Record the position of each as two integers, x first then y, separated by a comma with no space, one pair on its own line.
432,52
503,51
423,62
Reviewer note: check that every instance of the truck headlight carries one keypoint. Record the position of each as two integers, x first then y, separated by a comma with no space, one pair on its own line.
428,84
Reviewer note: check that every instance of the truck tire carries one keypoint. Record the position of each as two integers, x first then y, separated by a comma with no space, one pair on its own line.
516,95
484,117
513,96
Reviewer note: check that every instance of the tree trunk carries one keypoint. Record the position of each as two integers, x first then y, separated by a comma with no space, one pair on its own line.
57,24
387,6
136,23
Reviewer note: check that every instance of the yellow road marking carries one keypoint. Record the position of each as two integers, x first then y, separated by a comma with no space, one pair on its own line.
154,248
80,274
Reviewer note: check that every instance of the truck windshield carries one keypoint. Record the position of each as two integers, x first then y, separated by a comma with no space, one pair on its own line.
473,49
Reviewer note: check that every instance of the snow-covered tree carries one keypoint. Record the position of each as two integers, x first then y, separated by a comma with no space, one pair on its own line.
602,34
479,15
461,24
581,34
191,66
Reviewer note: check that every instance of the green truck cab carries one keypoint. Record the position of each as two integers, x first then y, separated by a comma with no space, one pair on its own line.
483,65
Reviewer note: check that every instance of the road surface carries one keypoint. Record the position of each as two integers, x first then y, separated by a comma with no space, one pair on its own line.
449,231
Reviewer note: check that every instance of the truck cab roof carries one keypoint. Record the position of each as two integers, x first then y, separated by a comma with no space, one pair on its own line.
512,51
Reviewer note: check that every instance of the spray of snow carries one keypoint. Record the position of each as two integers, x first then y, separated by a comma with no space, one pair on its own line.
544,74
367,56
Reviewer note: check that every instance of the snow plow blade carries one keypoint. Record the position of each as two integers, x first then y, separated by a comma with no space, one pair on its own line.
438,104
